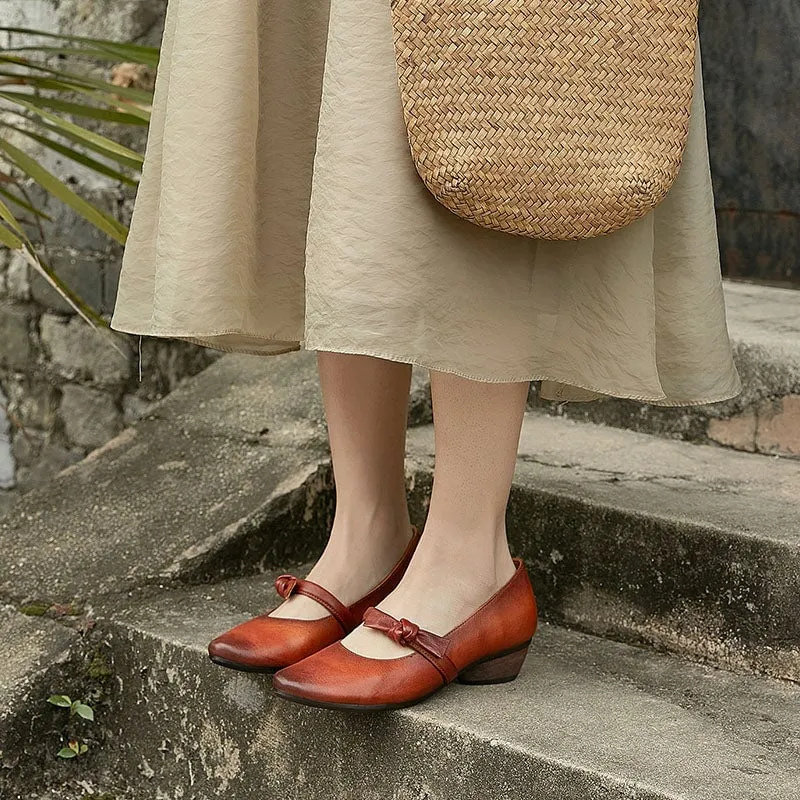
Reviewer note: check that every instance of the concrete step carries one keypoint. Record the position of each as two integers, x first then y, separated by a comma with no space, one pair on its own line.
230,455
764,325
588,719
31,645
34,650
685,547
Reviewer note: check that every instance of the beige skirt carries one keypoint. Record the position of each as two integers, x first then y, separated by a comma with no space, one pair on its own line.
279,209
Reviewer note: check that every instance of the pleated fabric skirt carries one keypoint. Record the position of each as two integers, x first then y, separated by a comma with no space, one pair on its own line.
279,209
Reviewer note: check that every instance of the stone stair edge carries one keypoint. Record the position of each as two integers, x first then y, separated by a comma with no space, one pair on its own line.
171,655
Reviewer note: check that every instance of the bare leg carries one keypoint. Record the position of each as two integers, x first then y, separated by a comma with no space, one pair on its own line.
463,556
366,407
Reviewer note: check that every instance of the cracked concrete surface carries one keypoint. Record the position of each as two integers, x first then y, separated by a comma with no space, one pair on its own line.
587,718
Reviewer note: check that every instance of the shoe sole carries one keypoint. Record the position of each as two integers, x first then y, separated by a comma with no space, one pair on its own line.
352,706
470,668
223,662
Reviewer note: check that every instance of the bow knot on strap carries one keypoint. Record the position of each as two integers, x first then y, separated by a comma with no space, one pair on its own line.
402,631
285,585
406,633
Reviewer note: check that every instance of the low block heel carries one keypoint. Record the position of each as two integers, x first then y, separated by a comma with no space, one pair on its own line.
498,669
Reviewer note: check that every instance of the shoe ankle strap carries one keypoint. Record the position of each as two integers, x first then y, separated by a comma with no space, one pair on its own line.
287,585
429,645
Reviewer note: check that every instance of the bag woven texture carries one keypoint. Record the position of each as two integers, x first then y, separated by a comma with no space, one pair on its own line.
556,119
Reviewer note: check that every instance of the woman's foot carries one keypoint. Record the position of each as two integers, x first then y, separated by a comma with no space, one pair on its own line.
489,647
453,572
358,556
270,641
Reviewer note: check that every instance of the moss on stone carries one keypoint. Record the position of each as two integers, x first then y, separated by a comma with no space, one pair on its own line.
98,667
37,608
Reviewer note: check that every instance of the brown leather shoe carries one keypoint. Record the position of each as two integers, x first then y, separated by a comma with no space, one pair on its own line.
265,644
488,647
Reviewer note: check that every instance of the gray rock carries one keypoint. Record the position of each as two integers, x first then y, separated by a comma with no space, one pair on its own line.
111,272
18,285
27,447
4,257
117,19
79,351
420,411
67,228
28,14
166,363
90,417
134,408
34,401
51,458
7,465
81,271
15,344
8,499
223,475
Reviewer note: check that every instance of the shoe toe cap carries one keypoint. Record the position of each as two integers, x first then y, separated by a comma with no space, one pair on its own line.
227,648
271,643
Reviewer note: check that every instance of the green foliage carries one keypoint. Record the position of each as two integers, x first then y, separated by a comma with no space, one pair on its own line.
40,103
76,708
60,700
36,609
73,749
44,608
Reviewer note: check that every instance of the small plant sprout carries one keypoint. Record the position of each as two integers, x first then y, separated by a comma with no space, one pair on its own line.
75,748
74,706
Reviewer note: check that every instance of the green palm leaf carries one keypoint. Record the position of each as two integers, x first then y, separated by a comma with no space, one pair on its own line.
76,109
111,147
12,198
52,184
48,99
75,155
128,92
106,48
9,239
132,114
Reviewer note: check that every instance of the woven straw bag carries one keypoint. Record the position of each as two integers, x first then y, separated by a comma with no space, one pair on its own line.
557,119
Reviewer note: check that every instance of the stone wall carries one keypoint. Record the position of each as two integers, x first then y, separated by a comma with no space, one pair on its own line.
64,387
751,64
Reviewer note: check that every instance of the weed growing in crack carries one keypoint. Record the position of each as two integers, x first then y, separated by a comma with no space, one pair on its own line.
76,708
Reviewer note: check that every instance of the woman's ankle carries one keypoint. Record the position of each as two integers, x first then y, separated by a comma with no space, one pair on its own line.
378,537
448,579
478,550
359,554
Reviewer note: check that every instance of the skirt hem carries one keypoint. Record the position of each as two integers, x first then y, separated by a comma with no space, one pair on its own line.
206,340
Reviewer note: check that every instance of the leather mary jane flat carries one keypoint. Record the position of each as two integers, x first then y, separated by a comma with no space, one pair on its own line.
488,647
265,643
